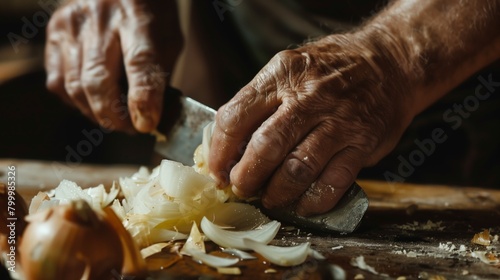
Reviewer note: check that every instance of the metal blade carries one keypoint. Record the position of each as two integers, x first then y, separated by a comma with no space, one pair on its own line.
345,217
186,133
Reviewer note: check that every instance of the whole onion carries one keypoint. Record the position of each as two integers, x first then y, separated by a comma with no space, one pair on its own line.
70,242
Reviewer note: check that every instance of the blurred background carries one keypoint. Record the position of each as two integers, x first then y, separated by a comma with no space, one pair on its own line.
34,124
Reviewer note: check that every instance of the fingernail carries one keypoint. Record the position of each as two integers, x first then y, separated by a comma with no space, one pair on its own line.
237,192
144,123
301,211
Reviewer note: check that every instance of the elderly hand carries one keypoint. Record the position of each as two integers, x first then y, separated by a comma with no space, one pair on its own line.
89,42
303,128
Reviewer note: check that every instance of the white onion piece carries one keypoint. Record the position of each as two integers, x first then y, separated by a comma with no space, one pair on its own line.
315,254
118,209
242,255
239,216
68,191
183,182
161,235
194,243
229,270
37,201
208,130
153,249
234,239
111,195
96,197
211,260
283,256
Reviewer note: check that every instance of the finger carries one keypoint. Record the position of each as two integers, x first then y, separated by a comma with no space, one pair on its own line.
146,64
100,74
236,121
54,60
54,67
331,185
72,78
301,167
267,148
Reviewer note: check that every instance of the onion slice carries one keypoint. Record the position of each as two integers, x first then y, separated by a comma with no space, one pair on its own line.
242,255
194,243
315,254
234,239
210,260
236,215
282,256
153,249
162,235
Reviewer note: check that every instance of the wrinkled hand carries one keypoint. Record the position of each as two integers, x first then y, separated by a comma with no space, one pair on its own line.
89,42
303,128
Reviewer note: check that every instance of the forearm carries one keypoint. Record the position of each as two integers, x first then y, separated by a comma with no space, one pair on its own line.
437,43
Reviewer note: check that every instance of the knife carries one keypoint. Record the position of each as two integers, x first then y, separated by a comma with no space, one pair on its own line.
183,124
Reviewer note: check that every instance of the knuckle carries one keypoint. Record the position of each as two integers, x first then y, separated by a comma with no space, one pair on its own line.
98,109
225,119
55,83
300,171
95,78
268,145
338,176
67,18
292,60
73,87
138,56
287,56
141,97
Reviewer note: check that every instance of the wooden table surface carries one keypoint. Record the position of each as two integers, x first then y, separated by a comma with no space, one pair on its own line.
410,231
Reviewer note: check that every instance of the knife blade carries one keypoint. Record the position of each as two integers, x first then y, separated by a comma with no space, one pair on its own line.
185,134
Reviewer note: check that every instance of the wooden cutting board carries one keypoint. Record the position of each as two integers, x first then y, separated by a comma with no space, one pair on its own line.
411,231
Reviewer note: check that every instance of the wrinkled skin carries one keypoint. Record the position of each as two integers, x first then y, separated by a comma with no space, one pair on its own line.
303,128
89,42
313,117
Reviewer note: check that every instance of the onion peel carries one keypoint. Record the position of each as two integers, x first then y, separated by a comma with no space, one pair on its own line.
133,263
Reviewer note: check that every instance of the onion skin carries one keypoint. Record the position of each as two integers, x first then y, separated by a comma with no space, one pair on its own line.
133,264
70,242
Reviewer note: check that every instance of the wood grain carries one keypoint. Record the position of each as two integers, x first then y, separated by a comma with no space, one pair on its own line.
395,237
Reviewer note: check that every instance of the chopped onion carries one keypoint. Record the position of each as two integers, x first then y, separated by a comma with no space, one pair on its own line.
194,243
283,256
315,254
482,238
234,239
160,235
229,270
153,249
182,182
211,260
242,255
40,202
239,216
208,130
486,257
360,263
